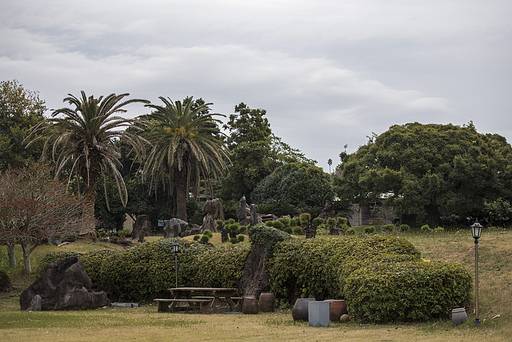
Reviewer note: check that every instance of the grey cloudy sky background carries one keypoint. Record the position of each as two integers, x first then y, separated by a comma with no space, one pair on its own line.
329,73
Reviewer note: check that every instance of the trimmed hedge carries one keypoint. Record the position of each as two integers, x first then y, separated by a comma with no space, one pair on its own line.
406,291
313,267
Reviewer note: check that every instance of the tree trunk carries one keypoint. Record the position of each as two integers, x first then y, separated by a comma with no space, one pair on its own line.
12,257
181,194
88,206
27,250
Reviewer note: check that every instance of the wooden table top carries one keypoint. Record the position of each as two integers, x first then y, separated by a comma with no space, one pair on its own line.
210,289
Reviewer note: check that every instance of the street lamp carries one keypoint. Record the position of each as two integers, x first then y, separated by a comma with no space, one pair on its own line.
476,231
176,249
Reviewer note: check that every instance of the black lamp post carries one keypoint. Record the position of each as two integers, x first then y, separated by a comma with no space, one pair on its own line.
476,231
176,249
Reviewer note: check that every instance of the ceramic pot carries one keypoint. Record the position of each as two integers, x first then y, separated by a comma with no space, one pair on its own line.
250,305
459,316
267,302
337,308
300,309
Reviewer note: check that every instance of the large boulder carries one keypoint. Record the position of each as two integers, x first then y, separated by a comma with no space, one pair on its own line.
141,228
174,227
64,285
255,278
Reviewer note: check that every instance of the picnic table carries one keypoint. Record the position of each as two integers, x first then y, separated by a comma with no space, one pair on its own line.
207,299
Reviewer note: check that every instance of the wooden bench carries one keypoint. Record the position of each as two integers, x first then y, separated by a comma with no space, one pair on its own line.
194,303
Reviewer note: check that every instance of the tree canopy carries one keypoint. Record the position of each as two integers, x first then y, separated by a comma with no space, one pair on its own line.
20,109
256,152
444,171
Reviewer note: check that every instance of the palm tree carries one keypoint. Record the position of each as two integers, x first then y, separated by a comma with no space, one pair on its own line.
83,139
186,146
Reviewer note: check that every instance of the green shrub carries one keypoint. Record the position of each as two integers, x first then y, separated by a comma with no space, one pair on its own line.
269,223
342,220
369,230
425,228
285,220
204,239
318,220
267,236
197,237
406,291
350,231
404,228
439,229
243,229
305,218
297,230
241,238
208,233
316,264
69,236
124,232
288,230
388,228
233,240
278,225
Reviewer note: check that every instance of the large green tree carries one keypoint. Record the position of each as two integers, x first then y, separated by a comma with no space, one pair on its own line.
20,109
444,171
256,152
83,141
186,147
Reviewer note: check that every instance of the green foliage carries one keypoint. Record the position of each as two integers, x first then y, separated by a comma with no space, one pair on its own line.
241,238
342,220
197,237
204,239
20,109
208,233
124,232
439,229
318,220
316,264
384,292
233,240
404,228
350,231
278,225
297,230
285,220
305,218
369,230
499,211
388,228
294,182
427,168
425,228
267,236
288,230
256,152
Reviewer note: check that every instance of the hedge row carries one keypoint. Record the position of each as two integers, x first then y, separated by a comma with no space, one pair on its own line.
146,271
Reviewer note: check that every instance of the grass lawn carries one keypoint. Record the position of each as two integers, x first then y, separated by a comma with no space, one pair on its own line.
146,324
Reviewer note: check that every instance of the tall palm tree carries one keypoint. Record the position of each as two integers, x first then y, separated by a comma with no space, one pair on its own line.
186,146
83,139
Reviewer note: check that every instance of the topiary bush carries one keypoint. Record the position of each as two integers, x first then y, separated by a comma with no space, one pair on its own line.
267,236
208,233
297,230
369,230
388,228
404,228
233,240
204,239
406,291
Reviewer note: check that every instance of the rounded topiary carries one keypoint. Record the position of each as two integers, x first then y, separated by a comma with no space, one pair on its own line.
288,230
278,225
350,231
425,228
208,232
369,230
124,233
404,228
342,220
297,230
269,224
388,228
318,220
197,237
233,240
204,239
285,220
439,229
241,238
305,218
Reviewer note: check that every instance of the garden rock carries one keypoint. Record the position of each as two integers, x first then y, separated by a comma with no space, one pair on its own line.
174,227
141,228
256,278
64,285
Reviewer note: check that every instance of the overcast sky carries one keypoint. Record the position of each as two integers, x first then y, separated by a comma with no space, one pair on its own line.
329,73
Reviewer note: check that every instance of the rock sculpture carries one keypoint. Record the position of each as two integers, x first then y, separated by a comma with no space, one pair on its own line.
141,228
64,285
242,212
174,227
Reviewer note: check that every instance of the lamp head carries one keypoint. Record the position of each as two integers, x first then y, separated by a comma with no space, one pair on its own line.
476,230
175,247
